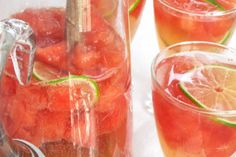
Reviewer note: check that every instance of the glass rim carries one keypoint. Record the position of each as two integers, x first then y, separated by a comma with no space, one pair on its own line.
210,14
181,104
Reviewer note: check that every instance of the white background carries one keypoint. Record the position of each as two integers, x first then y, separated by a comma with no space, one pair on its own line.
144,49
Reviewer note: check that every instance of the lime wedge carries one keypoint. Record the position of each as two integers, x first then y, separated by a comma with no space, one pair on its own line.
43,72
134,6
212,87
88,87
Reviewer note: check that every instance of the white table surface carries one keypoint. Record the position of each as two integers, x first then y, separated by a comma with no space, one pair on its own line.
144,48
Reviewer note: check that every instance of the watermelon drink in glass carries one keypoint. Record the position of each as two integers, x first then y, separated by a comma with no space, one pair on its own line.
193,88
78,102
109,8
135,13
194,20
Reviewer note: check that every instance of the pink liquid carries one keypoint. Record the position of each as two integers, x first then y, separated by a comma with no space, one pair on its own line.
183,132
53,117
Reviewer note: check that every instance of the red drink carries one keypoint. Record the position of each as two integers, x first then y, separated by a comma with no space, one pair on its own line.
190,127
135,12
62,112
108,9
198,20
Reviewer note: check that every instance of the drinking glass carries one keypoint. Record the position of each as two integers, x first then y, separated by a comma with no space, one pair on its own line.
194,20
193,93
135,14
77,103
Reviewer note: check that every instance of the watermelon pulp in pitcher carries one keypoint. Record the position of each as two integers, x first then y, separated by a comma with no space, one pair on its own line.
78,103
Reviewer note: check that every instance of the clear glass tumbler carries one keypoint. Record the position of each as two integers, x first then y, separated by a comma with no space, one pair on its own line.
194,20
135,13
193,88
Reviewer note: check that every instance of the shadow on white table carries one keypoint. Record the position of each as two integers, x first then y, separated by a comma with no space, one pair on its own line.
144,48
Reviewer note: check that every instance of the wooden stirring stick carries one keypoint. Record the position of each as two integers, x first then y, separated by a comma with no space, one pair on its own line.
78,19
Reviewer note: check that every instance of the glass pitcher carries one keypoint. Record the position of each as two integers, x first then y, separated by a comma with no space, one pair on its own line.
77,103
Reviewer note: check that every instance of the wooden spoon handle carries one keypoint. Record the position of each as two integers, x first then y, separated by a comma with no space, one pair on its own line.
78,19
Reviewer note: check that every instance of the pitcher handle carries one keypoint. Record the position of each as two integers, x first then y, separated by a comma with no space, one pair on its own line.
17,41
7,41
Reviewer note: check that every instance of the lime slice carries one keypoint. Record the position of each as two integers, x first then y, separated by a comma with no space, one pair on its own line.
51,76
216,4
226,37
43,72
89,87
212,87
134,6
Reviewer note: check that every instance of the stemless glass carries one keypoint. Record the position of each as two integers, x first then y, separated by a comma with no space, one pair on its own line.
194,20
193,96
78,102
135,13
